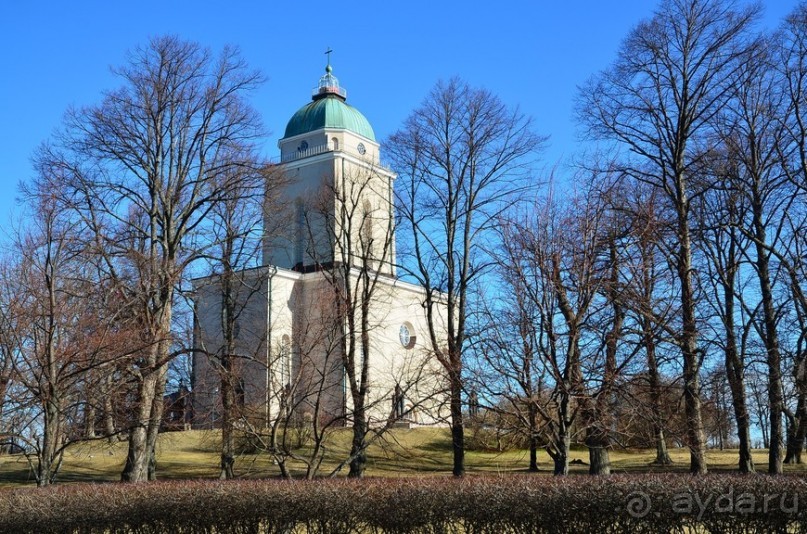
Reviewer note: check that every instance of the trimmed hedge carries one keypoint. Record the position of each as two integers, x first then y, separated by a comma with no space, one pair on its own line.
517,504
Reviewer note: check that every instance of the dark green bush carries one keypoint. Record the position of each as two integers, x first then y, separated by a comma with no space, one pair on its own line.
517,504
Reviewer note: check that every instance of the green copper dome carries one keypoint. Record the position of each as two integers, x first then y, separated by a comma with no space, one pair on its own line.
328,110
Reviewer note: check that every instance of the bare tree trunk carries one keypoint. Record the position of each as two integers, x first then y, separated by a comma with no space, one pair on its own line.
662,455
534,439
228,376
597,431
457,428
696,440
137,457
140,461
89,420
560,452
795,442
109,415
735,369
796,448
770,338
598,456
648,339
561,443
790,434
158,405
50,443
761,418
359,388
227,407
599,459
50,396
3,388
359,445
735,372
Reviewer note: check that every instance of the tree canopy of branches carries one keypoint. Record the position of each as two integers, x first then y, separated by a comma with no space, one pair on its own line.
658,100
460,156
144,170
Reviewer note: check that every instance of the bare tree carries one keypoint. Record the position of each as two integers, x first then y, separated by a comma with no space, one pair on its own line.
300,415
142,164
791,63
725,249
310,402
47,368
235,231
719,421
648,297
9,318
511,369
358,267
658,99
459,157
791,60
792,265
605,371
553,256
361,233
58,334
751,129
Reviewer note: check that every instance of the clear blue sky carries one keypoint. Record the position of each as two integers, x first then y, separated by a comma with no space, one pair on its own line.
386,54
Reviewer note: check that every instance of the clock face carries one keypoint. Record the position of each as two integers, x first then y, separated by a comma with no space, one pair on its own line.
405,336
361,148
304,145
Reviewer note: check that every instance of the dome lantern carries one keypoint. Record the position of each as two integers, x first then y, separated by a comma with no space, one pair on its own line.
328,110
328,85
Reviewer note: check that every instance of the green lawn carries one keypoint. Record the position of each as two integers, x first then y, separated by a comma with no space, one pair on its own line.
423,451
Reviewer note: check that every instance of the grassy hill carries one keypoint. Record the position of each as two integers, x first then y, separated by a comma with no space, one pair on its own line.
404,452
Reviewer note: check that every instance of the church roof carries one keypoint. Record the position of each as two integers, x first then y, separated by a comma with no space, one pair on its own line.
328,110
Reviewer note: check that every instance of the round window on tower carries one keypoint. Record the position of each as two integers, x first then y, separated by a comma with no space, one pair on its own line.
361,149
406,335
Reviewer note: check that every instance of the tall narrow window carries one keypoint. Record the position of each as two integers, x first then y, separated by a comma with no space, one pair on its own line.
398,402
367,230
335,142
285,361
240,392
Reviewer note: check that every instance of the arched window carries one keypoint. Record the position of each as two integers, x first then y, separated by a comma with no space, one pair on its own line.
367,223
398,402
285,360
240,392
335,142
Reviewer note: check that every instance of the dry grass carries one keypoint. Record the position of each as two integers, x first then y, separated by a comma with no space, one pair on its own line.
404,452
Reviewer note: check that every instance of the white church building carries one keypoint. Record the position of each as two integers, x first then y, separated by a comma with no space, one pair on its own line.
327,283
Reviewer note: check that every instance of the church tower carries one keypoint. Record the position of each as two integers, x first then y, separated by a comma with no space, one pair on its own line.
332,208
338,204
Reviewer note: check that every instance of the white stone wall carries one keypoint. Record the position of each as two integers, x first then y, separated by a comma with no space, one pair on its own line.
289,336
251,351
